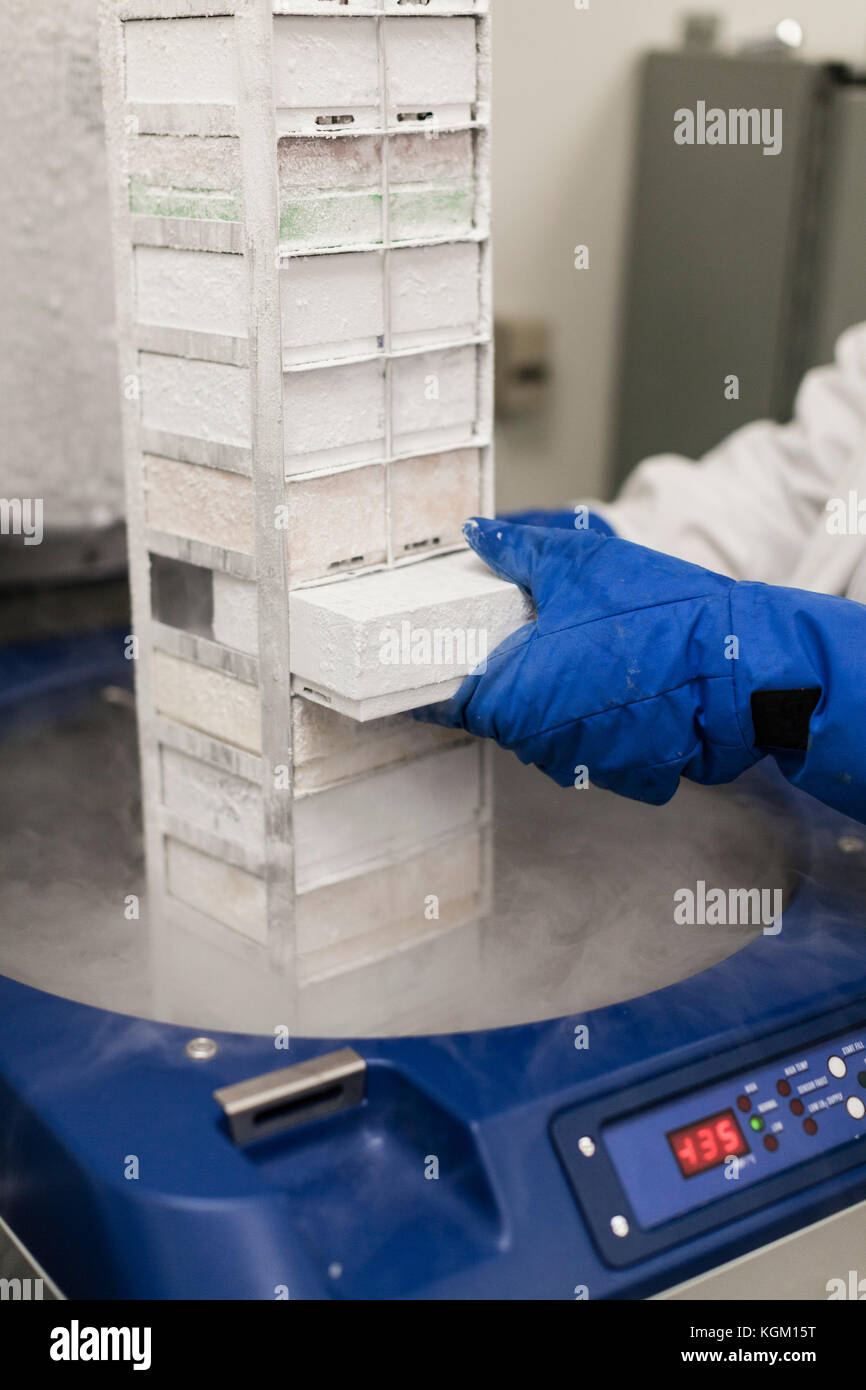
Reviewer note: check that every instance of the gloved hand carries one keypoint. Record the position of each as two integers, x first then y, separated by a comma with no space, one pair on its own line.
642,669
568,519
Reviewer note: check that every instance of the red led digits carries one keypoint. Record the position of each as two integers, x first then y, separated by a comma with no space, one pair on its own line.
707,1143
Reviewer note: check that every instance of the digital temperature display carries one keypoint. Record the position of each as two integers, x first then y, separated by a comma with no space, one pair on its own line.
707,1143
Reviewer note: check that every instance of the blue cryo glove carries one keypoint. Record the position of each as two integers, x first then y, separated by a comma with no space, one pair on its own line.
642,669
568,519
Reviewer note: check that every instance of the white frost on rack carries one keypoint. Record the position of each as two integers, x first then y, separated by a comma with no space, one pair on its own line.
301,222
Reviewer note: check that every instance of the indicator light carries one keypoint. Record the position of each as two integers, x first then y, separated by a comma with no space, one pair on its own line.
783,1087
743,1102
757,1123
771,1142
797,1107
810,1126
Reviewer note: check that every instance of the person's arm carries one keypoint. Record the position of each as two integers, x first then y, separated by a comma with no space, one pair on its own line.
747,509
642,669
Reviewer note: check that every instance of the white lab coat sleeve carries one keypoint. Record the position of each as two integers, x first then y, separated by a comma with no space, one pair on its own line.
749,507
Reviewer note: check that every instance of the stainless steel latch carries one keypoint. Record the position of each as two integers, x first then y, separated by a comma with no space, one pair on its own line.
282,1100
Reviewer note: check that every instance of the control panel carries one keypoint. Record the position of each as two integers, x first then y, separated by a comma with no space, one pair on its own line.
681,1154
703,1146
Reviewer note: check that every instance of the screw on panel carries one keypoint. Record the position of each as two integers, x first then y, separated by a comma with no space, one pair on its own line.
201,1049
619,1226
586,1146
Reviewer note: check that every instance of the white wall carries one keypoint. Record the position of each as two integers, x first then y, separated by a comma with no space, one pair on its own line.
564,116
59,414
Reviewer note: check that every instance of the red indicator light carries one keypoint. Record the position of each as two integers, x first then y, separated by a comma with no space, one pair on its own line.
810,1126
783,1087
797,1107
744,1103
707,1143
771,1143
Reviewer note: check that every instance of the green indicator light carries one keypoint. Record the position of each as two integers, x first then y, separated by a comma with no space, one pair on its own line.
757,1123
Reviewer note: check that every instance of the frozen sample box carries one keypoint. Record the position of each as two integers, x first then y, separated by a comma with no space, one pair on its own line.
335,523
432,184
189,177
326,73
431,498
434,294
181,61
400,639
205,400
202,504
435,399
214,702
332,306
330,191
431,71
318,436
194,291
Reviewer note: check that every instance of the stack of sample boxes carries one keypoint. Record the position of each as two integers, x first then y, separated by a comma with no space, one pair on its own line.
302,259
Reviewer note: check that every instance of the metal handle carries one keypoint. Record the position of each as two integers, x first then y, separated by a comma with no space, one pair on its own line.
281,1100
